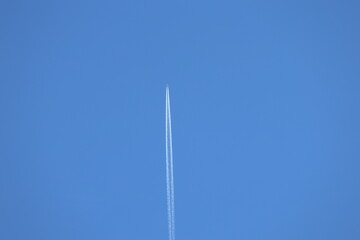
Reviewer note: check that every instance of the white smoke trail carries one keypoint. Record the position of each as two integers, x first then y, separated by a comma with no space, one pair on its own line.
169,170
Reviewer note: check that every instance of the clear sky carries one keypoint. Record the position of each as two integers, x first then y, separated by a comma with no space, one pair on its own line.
265,99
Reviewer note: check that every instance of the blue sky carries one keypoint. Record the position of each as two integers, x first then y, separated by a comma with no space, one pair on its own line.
265,110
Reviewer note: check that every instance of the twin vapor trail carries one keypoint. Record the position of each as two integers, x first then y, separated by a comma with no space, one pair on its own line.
169,170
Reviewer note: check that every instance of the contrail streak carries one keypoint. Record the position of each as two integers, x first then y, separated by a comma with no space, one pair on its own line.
169,169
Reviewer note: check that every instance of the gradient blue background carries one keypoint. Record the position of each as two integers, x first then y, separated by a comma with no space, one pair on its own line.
265,104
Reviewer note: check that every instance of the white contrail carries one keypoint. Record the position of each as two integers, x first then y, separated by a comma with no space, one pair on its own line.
169,170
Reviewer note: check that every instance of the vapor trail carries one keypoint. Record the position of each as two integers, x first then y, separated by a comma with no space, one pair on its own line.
169,169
